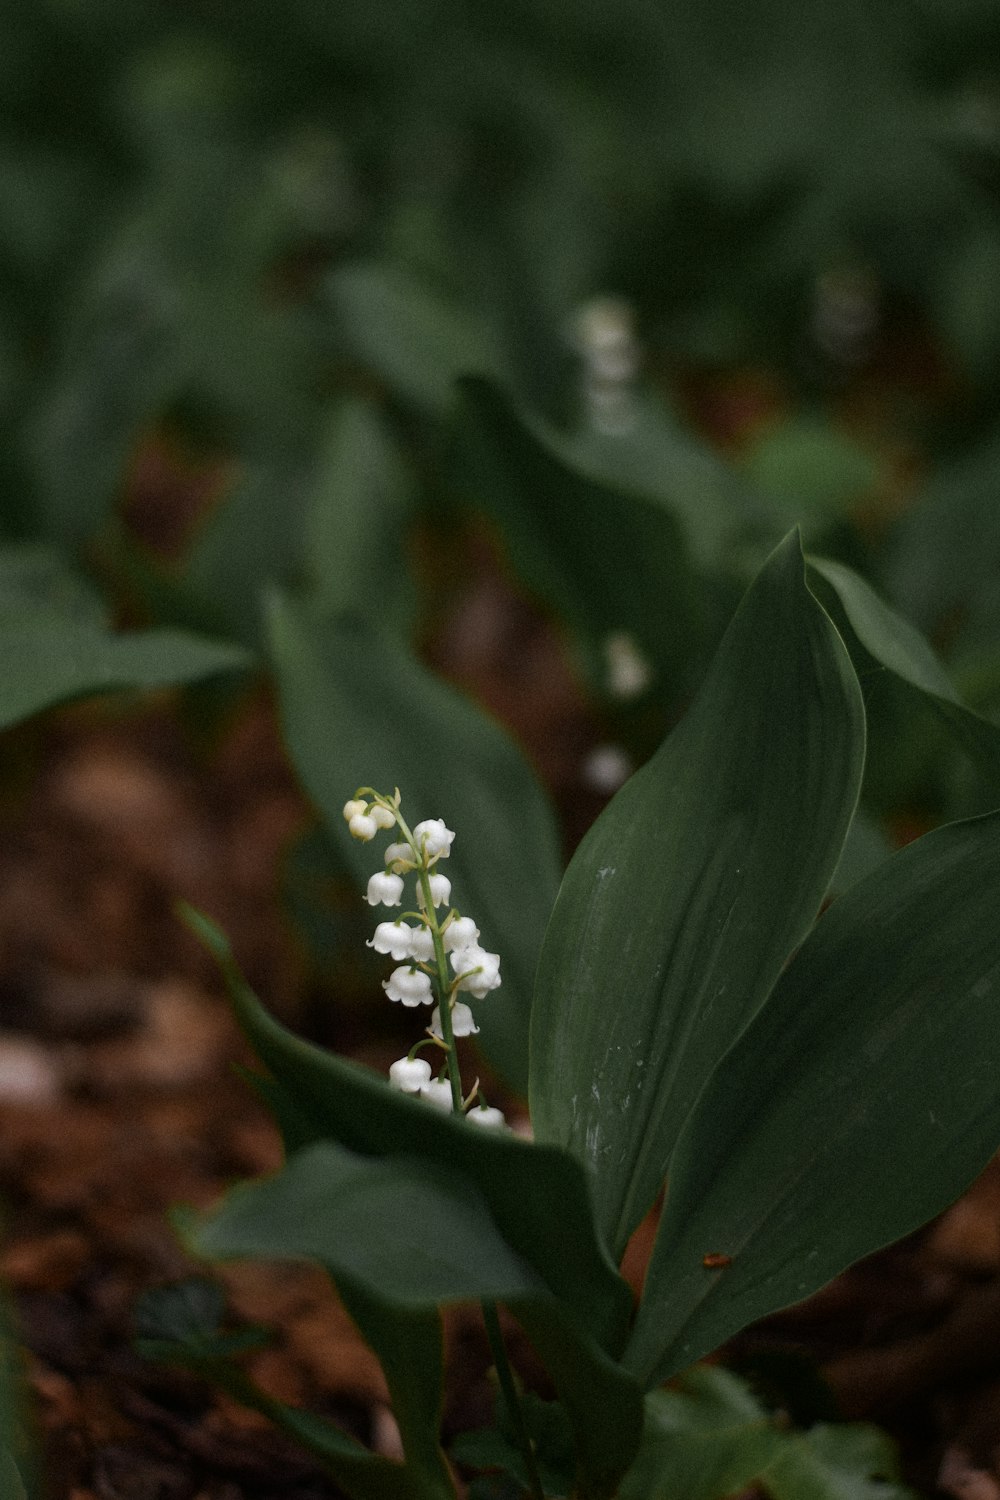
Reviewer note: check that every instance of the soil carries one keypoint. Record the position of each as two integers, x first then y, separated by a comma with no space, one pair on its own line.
118,1100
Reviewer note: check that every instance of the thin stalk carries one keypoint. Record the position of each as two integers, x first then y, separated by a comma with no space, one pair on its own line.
515,1412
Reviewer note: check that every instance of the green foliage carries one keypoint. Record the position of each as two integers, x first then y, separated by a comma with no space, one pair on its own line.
852,1109
808,1090
691,890
709,1437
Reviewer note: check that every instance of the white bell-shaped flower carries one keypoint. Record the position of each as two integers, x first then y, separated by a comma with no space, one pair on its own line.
410,1074
463,1022
421,944
486,1117
462,932
354,809
409,986
440,890
434,837
382,816
385,889
438,1093
362,827
398,858
394,938
477,971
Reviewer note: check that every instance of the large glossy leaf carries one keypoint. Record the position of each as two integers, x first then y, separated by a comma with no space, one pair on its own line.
536,1194
900,648
358,709
410,1232
51,659
711,1437
858,1104
409,1235
607,561
690,891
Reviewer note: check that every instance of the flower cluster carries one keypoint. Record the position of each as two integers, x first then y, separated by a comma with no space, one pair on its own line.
437,950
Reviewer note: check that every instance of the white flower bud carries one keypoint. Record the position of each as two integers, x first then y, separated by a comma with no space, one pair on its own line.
385,890
421,944
409,986
440,890
394,938
488,1117
477,971
463,1022
398,857
363,827
382,817
438,1093
462,932
434,837
354,809
409,1075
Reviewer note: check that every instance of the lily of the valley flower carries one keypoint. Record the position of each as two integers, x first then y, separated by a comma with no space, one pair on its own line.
410,1074
461,932
385,889
409,986
436,956
463,1022
440,890
438,1092
476,971
434,838
393,938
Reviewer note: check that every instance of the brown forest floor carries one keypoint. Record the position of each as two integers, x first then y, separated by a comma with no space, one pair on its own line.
118,1100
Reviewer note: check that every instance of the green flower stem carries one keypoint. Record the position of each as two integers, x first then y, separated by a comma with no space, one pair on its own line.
443,984
512,1401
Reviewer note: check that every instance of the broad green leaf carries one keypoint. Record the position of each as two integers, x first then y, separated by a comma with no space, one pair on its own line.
687,896
51,660
710,1437
658,460
607,562
859,1103
356,521
409,1232
413,334
898,646
358,709
340,1101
